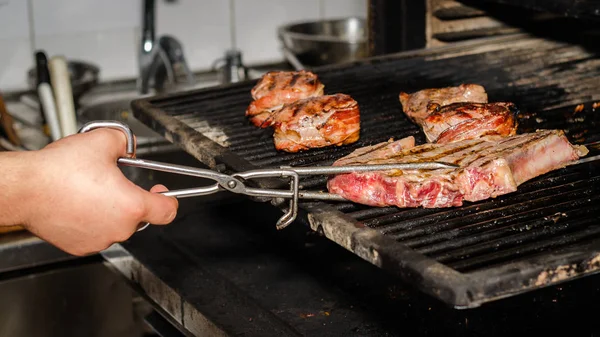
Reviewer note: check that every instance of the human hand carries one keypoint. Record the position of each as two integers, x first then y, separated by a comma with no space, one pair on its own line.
81,202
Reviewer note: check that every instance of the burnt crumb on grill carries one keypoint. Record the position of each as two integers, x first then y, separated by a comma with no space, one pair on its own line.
594,262
309,315
555,217
579,108
396,292
526,115
580,137
555,275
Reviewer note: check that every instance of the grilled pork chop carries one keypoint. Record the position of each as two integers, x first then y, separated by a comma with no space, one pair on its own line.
460,121
316,122
277,88
489,167
415,105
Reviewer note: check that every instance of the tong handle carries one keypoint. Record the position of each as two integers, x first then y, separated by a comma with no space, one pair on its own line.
223,181
130,146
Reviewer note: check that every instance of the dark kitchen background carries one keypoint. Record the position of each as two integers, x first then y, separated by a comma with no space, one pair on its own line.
221,268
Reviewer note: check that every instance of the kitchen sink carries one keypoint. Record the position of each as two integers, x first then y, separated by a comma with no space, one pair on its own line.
111,101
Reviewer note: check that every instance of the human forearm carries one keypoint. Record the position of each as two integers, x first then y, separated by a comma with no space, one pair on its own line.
72,194
15,186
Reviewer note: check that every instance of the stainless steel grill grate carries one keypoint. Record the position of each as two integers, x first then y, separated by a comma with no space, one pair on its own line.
466,255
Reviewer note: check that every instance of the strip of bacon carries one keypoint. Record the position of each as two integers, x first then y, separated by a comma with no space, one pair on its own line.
460,121
316,122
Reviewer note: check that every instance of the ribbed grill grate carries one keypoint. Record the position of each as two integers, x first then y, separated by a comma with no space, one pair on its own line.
557,205
569,75
545,79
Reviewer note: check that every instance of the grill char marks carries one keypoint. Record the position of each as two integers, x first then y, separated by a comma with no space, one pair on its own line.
460,121
489,167
387,149
277,88
295,78
316,122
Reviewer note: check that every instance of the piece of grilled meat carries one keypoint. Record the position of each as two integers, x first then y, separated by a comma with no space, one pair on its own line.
489,167
460,121
277,88
316,122
387,149
415,105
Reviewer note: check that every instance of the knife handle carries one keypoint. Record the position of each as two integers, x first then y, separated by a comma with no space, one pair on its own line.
63,94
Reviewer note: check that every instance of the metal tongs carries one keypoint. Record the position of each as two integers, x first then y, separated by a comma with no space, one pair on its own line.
235,183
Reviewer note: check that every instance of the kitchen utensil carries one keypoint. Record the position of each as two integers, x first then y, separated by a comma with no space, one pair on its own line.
323,42
83,77
41,64
46,96
63,94
231,67
234,183
6,122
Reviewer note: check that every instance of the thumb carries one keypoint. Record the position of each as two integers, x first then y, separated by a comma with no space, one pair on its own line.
160,209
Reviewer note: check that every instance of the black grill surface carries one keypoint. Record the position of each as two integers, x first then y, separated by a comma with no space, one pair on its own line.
546,232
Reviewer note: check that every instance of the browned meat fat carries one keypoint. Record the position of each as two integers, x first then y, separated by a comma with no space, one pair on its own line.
415,105
460,121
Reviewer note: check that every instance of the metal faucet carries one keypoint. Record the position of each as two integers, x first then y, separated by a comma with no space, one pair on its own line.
159,61
231,67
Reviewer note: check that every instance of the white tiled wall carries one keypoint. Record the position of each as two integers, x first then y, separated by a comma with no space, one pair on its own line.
256,34
202,27
15,35
106,32
343,8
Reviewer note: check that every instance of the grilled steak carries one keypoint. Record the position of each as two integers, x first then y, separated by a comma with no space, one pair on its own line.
489,167
460,121
277,88
316,122
415,105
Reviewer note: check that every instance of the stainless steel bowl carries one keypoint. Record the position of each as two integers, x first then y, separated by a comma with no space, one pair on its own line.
324,42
